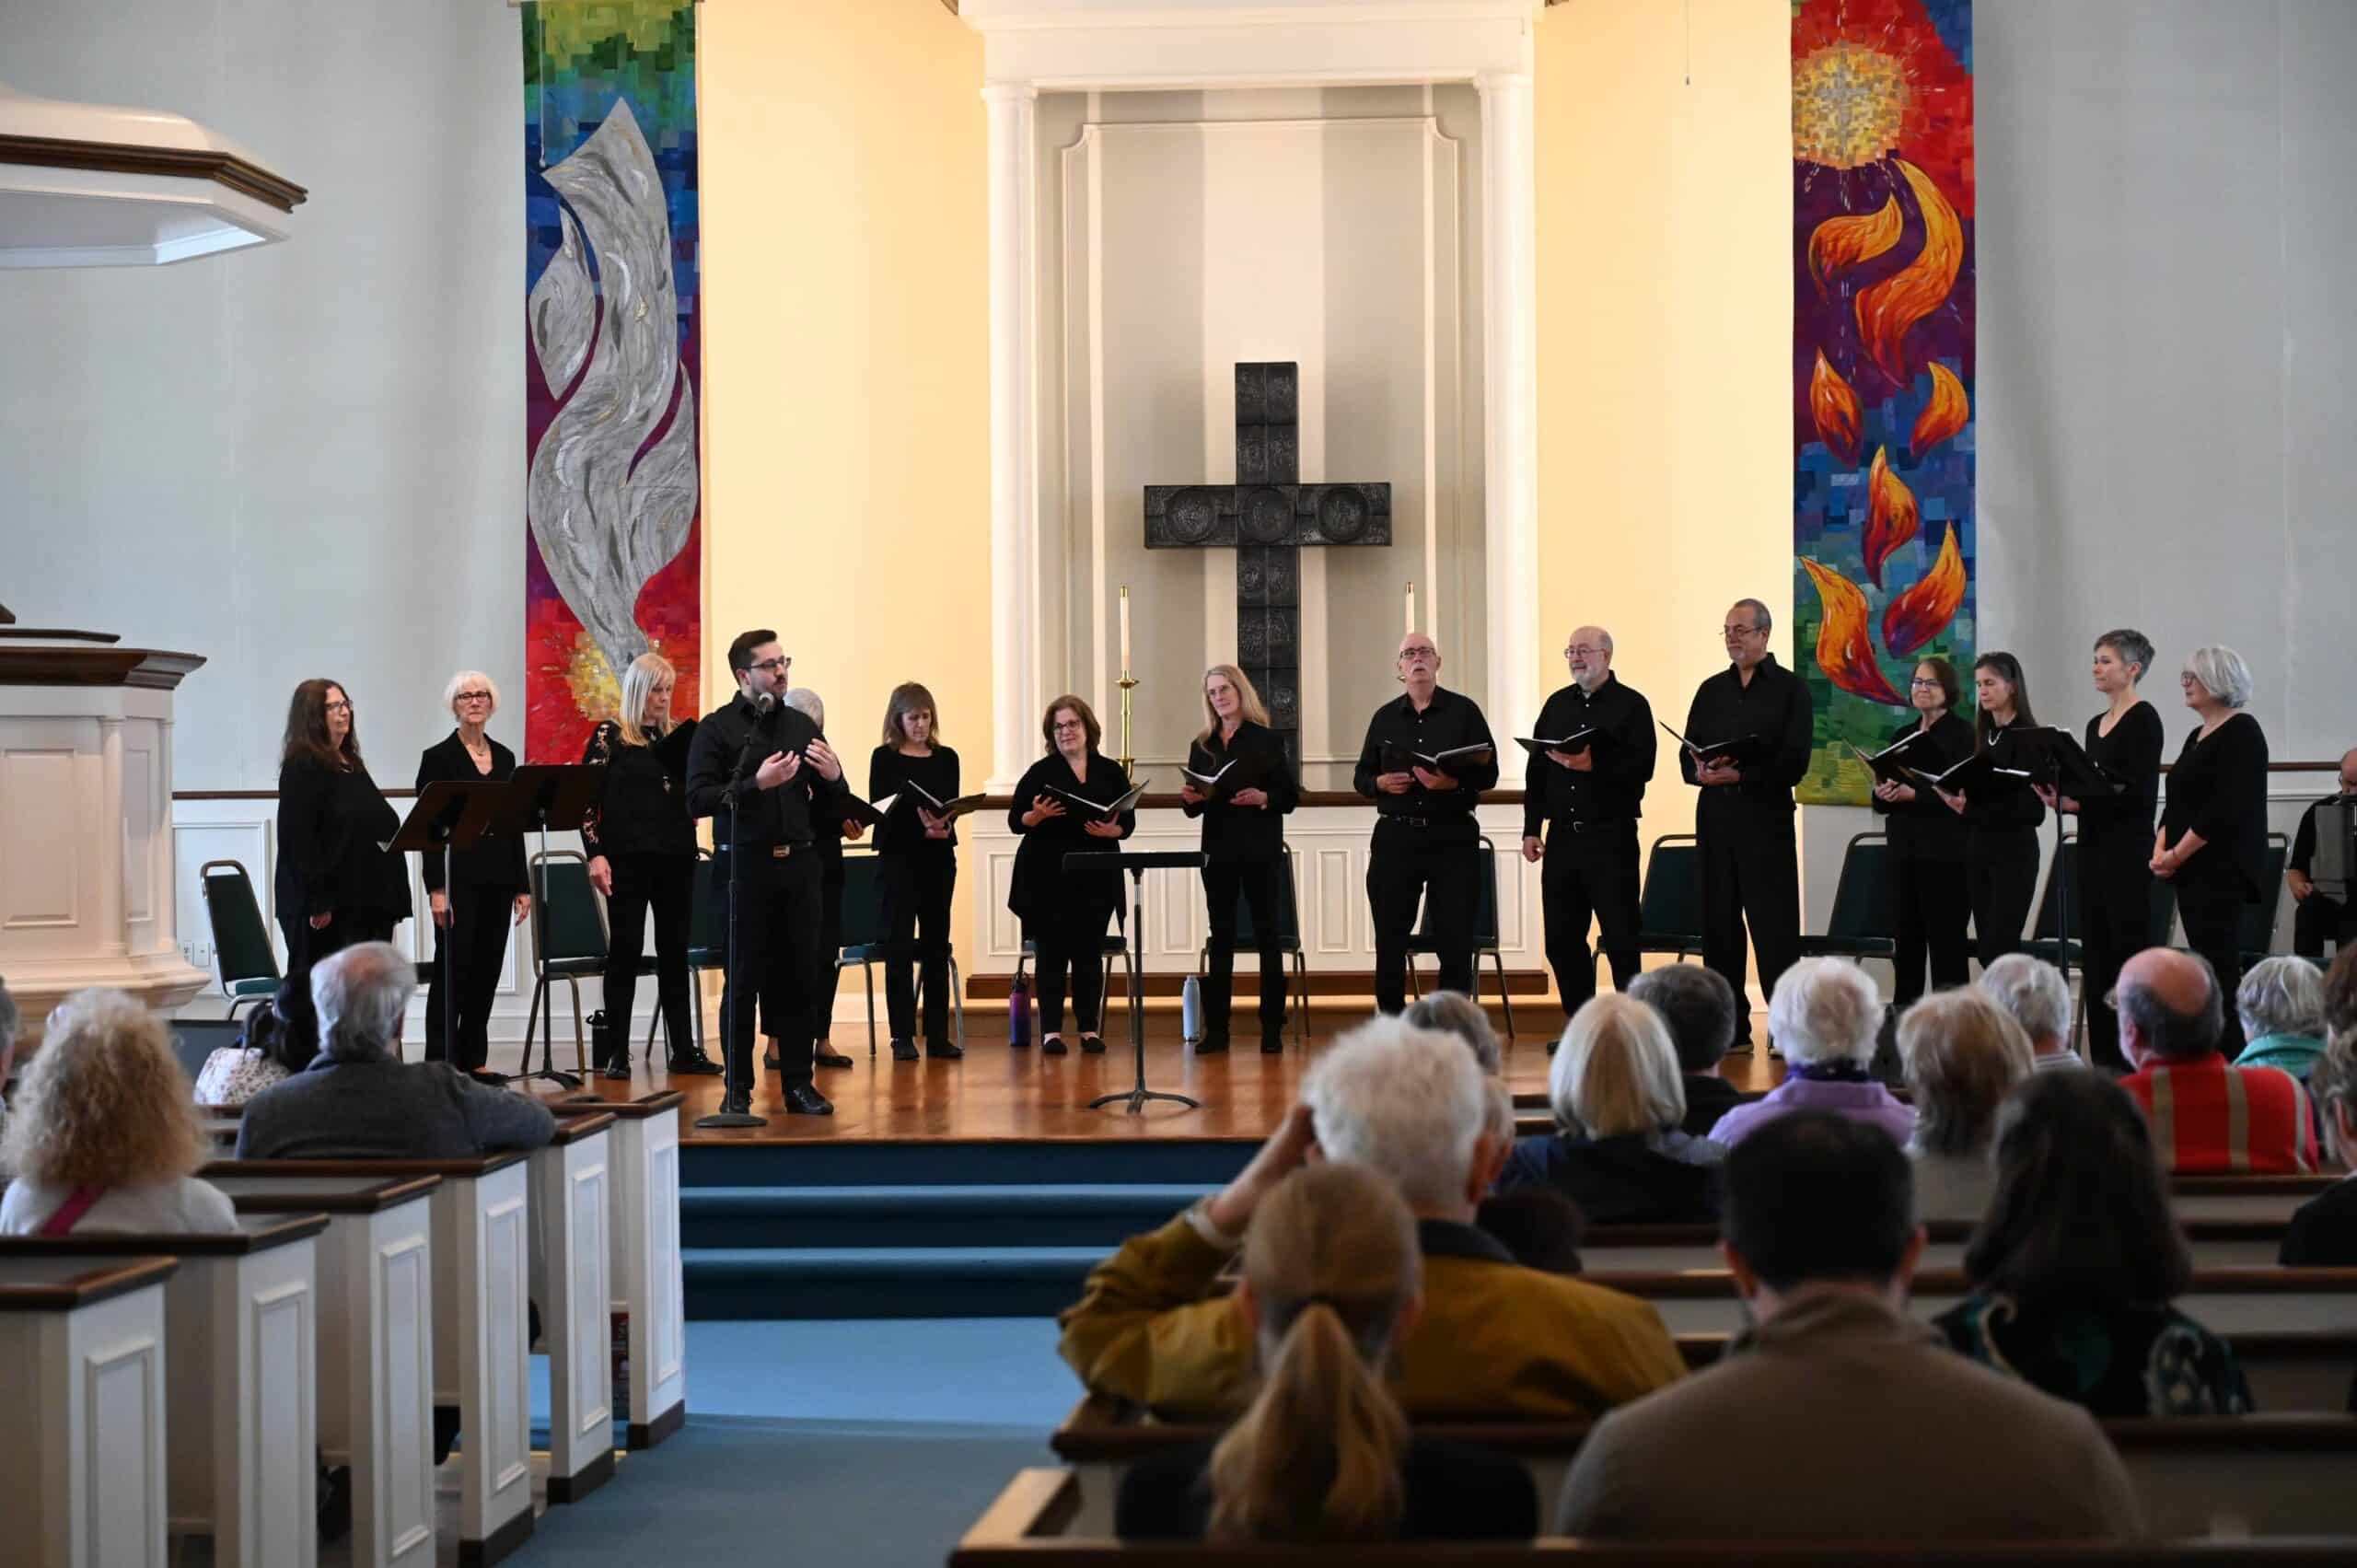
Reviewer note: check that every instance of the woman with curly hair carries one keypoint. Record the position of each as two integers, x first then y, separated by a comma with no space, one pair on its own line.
103,1133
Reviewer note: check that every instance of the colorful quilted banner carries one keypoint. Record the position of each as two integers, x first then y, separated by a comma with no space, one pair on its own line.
613,546
1883,412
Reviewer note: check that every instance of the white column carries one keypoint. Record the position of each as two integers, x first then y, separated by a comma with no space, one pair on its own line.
1510,387
1015,482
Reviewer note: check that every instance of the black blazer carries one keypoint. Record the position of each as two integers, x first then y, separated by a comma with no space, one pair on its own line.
1040,884
493,863
2218,790
329,823
1237,833
1923,827
643,807
1453,1492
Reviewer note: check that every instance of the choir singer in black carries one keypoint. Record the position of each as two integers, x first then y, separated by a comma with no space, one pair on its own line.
488,892
1924,860
1243,810
1426,843
768,868
2318,916
1587,797
1064,912
334,886
2001,816
1743,823
2212,840
919,854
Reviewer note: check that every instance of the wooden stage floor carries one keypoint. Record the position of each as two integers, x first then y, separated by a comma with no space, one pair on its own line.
997,1093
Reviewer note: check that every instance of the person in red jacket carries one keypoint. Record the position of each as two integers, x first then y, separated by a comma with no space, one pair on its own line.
2206,1114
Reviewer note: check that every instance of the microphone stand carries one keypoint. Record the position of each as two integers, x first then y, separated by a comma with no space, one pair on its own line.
733,990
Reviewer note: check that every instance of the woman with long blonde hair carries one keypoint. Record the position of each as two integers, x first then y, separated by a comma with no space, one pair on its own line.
1241,783
103,1135
642,847
1332,1280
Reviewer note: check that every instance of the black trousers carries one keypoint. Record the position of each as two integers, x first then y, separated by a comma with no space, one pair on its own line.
306,947
1254,880
777,935
1590,870
1068,940
666,883
918,892
1751,876
2000,878
467,960
2113,917
2317,920
1438,864
1927,910
2211,910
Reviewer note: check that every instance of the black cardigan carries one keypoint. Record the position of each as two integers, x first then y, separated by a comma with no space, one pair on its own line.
494,861
2131,755
643,807
329,823
889,773
2218,790
1238,833
1923,827
2002,809
1040,883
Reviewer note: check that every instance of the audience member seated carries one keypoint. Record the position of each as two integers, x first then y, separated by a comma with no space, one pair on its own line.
2323,1232
2341,995
1323,1453
277,1044
104,1133
1964,1054
1865,1428
1619,1100
1454,1013
2075,1263
2281,1004
1540,1235
1698,1005
2206,1114
359,1100
1823,1015
2036,995
1494,1339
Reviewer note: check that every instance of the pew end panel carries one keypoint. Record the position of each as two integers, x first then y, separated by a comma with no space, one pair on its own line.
573,1182
648,1282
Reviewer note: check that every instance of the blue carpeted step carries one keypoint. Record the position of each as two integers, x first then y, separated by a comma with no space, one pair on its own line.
884,1282
971,1215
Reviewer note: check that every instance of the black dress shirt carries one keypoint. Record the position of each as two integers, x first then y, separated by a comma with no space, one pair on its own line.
1236,832
329,823
1777,708
2303,840
784,817
1449,721
1039,878
1622,749
1923,827
643,807
494,861
2131,754
2002,805
2218,789
891,774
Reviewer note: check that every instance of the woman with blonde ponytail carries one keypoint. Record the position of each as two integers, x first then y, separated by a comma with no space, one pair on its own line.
1331,1281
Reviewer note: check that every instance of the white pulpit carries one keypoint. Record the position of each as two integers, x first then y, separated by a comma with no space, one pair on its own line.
85,797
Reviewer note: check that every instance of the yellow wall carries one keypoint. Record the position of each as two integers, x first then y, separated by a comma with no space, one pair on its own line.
1665,332
846,356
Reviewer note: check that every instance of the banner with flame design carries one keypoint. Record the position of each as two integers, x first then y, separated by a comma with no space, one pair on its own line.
614,499
1883,426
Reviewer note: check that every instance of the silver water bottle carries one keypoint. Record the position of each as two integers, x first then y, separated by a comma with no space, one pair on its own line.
1190,1010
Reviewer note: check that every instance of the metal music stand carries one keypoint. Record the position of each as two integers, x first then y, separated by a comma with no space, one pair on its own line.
543,798
1137,866
449,816
2055,753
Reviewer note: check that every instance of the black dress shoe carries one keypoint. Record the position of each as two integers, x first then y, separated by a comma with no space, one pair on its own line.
487,1078
944,1049
769,1061
825,1056
1273,1045
804,1100
616,1068
1052,1046
904,1050
1092,1045
1211,1045
736,1104
697,1065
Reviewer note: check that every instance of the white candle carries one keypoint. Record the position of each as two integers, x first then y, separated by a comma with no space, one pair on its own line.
1411,608
1125,629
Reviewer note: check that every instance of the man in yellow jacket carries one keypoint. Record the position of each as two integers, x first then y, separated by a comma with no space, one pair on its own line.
1494,1337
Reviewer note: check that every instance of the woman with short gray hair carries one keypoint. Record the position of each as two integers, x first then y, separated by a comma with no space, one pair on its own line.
486,891
2212,842
2281,1008
1825,1014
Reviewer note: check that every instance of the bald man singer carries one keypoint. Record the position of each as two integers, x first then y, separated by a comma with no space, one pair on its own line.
1427,843
1587,797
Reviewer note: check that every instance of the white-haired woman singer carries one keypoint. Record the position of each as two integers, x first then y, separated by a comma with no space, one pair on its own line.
486,891
2212,842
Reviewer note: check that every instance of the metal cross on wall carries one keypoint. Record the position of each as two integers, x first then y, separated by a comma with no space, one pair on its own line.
1268,515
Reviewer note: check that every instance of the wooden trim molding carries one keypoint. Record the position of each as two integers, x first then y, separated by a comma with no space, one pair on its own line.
226,169
89,665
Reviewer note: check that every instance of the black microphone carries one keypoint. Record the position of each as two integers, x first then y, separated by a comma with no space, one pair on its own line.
764,702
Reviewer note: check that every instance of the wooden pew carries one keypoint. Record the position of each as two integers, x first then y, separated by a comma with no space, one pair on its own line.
240,1318
1032,1522
82,1423
2244,1197
647,1283
2216,1243
573,1198
375,1342
2229,1477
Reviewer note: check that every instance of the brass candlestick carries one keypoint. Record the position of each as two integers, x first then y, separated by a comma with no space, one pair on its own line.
1128,683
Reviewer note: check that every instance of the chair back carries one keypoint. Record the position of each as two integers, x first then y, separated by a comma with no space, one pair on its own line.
863,905
1861,898
1287,937
1485,907
240,938
568,921
708,920
1669,911
2257,936
2061,879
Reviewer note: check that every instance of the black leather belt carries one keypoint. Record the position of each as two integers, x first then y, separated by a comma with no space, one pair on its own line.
1579,825
777,852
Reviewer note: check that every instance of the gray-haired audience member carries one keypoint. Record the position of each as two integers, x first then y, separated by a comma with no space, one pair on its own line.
359,1100
2034,994
2207,1114
2281,1004
1452,1011
2323,1232
1821,1238
1698,1005
1964,1054
1825,1014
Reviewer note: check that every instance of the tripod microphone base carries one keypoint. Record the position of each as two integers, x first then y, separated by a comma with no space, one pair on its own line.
1136,1099
732,1118
562,1079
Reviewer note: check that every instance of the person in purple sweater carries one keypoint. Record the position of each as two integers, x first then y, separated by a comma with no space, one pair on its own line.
1824,1017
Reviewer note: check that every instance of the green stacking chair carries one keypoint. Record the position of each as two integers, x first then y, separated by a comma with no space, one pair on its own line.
568,940
1669,911
2258,934
867,940
707,950
1285,939
241,946
1485,936
1860,925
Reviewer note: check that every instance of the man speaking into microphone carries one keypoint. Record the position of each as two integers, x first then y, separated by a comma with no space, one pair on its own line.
769,761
